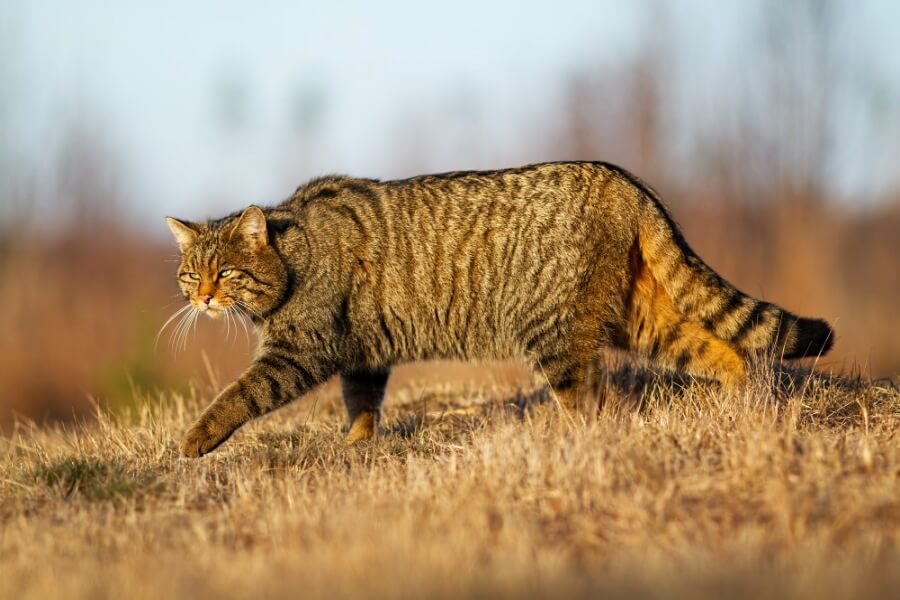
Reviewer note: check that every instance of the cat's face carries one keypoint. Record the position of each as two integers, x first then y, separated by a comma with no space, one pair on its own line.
231,267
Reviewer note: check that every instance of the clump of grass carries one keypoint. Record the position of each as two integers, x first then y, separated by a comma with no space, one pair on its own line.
93,479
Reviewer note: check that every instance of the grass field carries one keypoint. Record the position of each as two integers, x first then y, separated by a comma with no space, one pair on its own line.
654,488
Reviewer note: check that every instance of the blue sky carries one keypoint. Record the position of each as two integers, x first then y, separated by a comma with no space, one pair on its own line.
387,86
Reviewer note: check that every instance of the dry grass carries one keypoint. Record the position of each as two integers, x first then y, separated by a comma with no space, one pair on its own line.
791,488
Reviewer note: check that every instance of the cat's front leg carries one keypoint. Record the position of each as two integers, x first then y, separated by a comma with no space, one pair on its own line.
227,412
275,379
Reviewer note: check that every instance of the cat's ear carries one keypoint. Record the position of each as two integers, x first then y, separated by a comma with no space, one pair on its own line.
251,227
185,233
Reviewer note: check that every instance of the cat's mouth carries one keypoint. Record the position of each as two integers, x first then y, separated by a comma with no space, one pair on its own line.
214,309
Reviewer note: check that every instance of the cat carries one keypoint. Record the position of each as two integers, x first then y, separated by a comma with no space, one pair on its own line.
548,263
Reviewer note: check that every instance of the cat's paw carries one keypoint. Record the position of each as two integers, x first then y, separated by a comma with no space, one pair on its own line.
362,428
199,440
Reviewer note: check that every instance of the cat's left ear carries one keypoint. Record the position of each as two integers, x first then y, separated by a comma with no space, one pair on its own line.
251,227
185,233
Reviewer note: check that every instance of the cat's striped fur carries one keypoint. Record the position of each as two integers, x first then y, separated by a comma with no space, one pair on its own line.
548,263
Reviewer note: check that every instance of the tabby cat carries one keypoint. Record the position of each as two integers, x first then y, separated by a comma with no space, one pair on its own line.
548,263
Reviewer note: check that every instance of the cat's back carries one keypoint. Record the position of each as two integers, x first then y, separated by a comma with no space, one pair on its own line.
506,221
558,186
568,189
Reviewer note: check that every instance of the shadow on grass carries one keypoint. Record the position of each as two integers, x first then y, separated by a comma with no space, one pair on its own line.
448,418
824,399
621,386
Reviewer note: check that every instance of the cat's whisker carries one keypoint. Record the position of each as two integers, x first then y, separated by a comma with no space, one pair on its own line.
243,318
231,318
175,340
182,331
174,334
235,317
247,308
227,324
194,324
190,328
180,311
179,343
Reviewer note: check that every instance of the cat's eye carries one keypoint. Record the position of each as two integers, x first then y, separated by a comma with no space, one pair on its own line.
225,273
193,276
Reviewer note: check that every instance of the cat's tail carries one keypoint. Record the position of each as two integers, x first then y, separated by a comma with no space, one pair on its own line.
702,296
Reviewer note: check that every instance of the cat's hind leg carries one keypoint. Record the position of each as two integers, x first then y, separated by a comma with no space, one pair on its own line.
363,395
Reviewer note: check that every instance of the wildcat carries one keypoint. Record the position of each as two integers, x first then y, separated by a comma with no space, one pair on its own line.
548,263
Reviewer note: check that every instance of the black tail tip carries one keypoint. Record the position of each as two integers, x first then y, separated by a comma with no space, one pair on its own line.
815,337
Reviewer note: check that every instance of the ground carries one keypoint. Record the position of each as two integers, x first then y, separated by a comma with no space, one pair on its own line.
653,488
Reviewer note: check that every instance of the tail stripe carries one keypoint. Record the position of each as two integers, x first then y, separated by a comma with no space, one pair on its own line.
730,303
731,312
753,319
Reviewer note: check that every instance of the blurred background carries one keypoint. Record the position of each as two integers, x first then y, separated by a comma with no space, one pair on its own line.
771,128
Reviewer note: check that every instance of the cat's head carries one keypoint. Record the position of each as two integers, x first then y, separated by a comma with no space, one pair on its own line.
229,265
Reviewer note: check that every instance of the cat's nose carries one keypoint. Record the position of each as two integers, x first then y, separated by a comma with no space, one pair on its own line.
205,298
